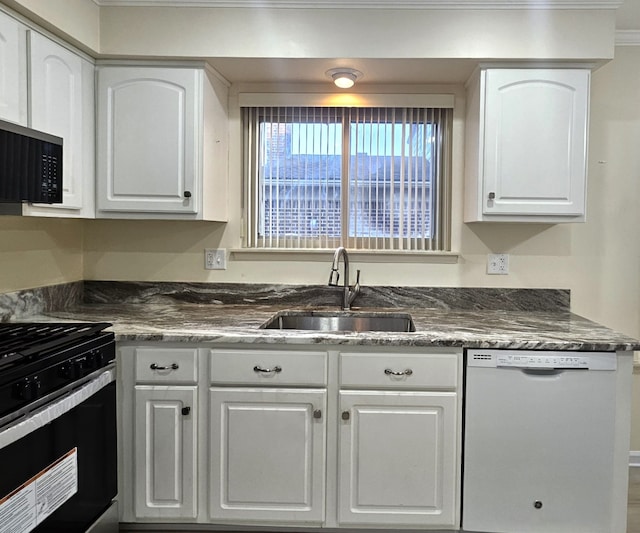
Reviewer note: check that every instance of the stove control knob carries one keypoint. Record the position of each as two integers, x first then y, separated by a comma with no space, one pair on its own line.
78,367
98,358
27,389
64,371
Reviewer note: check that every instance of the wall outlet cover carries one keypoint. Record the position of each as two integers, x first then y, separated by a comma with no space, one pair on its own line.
498,264
215,259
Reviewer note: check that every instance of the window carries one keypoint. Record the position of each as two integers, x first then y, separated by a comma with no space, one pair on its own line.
365,178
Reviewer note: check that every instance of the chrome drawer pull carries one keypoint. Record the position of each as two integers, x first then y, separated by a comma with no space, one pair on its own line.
390,372
275,369
154,366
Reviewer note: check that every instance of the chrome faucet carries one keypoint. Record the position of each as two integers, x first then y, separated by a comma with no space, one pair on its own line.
348,294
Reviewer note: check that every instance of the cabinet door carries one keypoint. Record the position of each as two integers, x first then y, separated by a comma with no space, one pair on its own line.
147,152
57,102
13,73
165,452
535,141
397,459
267,455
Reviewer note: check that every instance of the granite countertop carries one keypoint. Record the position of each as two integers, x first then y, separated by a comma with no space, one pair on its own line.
185,322
536,319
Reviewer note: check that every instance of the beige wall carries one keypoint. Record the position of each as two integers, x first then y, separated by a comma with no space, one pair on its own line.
37,251
614,189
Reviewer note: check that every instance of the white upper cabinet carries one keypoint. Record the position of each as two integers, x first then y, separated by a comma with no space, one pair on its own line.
13,70
61,95
162,143
526,145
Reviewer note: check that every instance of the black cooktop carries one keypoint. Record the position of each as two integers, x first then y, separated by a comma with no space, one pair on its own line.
38,359
22,342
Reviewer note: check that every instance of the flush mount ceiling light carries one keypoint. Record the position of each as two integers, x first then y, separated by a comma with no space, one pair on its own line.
344,78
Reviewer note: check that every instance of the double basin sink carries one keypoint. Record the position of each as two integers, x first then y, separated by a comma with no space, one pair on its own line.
341,321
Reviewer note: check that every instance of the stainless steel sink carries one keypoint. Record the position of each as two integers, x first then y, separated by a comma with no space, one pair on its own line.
341,321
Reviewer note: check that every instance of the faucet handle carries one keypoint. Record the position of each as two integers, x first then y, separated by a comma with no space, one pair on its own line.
353,292
356,287
332,282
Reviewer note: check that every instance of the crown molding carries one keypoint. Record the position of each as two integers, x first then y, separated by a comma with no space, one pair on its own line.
373,4
628,38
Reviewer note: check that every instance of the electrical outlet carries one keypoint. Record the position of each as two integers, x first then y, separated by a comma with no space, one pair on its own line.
498,264
215,259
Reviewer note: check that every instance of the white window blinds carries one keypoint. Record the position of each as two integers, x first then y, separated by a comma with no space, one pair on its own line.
364,178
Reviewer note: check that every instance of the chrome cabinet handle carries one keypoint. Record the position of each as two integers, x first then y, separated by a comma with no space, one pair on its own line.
173,366
275,369
390,372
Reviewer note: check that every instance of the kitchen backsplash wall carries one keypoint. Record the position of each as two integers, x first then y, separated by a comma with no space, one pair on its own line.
20,305
25,304
452,298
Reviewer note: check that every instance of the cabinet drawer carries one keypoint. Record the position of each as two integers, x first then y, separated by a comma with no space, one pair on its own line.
167,365
399,371
266,367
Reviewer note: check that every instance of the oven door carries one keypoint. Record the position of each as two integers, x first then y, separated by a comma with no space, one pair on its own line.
59,471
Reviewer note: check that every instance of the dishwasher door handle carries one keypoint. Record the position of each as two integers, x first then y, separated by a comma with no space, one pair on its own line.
542,372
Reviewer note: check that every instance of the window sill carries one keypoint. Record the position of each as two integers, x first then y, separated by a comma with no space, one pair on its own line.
369,256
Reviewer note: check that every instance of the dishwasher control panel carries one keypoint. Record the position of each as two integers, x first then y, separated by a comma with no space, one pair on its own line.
538,359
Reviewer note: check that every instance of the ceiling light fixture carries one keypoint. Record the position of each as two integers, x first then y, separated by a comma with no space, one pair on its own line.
343,77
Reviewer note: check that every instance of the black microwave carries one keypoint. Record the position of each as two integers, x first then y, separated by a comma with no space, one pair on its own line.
30,165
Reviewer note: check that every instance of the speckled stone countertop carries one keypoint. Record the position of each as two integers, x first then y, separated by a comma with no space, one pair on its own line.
535,320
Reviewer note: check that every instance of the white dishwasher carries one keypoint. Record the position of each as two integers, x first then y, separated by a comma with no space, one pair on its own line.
538,452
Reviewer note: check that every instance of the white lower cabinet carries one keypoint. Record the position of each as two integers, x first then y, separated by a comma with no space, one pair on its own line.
398,439
267,460
159,473
290,436
397,458
165,451
267,424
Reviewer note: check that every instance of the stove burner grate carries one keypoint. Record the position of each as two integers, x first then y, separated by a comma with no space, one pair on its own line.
21,341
